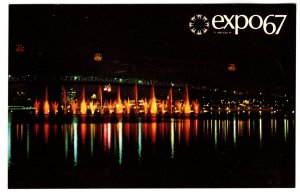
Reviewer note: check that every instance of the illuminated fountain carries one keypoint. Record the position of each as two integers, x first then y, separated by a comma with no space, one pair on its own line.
195,106
73,106
163,107
101,99
145,106
152,102
83,106
54,107
170,101
93,107
118,106
127,106
136,99
118,103
178,106
186,103
46,107
108,107
36,106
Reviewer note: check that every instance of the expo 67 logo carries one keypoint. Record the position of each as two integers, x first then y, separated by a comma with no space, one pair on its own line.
232,24
199,24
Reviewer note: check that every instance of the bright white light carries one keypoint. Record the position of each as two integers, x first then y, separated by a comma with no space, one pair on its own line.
234,130
140,139
172,138
260,131
75,139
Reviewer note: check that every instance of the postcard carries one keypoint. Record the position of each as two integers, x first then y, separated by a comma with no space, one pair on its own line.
151,96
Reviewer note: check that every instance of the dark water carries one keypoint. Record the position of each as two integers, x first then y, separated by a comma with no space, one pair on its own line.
214,151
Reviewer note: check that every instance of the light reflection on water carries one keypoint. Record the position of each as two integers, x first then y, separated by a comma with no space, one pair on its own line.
140,139
172,138
93,131
120,137
234,130
9,141
286,129
260,132
118,140
27,141
75,142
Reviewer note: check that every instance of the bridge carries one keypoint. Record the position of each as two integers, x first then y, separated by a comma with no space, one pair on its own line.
92,79
20,108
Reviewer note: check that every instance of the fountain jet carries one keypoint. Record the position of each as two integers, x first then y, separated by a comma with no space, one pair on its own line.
83,106
46,107
170,101
100,96
36,106
136,99
118,102
152,102
186,103
54,106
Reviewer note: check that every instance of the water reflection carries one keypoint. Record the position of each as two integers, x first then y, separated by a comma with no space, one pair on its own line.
120,139
140,140
260,131
81,141
187,128
248,127
215,134
172,138
107,136
46,132
75,142
274,126
9,140
27,141
83,132
234,130
178,125
66,136
36,130
153,132
93,132
286,128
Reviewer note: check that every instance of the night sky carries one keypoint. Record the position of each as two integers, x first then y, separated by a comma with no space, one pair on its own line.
153,42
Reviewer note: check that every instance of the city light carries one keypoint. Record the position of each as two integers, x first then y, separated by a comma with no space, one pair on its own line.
98,57
20,48
231,67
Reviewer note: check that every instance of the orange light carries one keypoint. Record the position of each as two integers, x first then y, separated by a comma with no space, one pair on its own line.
98,57
231,67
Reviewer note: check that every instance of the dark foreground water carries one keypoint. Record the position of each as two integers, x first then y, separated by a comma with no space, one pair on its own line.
212,151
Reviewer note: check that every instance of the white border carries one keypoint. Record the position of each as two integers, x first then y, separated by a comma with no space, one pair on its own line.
4,101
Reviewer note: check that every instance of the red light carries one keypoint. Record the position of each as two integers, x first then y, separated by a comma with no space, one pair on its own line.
19,48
